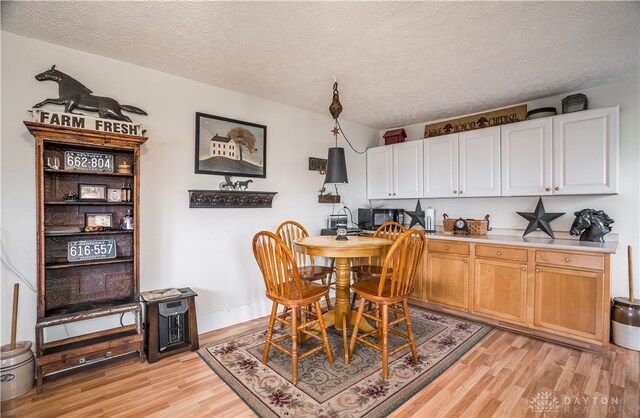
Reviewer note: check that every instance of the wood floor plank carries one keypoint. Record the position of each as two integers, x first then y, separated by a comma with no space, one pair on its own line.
496,378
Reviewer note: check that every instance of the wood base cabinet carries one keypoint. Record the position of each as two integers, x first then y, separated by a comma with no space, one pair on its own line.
556,295
500,290
82,274
447,274
572,295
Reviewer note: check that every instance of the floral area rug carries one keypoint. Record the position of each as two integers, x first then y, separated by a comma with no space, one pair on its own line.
339,390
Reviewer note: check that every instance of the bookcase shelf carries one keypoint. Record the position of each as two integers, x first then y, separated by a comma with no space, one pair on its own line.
72,291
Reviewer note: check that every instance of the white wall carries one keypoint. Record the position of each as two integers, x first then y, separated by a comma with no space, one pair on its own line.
208,250
624,207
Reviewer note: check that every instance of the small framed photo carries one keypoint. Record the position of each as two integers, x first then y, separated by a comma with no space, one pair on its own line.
103,219
95,192
114,195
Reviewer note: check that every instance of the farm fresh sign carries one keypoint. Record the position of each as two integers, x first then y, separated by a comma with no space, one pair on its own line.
72,120
482,120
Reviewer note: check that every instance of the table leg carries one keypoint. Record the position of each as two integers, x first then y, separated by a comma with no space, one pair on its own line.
342,307
343,281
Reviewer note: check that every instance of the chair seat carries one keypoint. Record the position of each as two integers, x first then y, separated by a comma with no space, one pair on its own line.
369,289
314,272
367,272
310,293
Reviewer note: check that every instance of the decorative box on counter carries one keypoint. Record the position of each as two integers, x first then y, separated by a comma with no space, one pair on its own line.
394,136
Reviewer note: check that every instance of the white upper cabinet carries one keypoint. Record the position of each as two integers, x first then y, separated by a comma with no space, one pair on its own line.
479,162
380,172
407,170
395,171
466,164
573,153
441,166
586,152
527,158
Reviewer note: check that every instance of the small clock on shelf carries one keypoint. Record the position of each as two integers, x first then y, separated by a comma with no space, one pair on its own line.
460,227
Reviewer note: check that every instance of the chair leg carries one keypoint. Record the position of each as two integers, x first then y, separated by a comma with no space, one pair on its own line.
284,315
354,334
267,342
385,341
325,339
414,353
294,345
354,296
326,297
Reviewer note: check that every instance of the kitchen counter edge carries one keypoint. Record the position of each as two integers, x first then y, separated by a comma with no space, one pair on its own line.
607,247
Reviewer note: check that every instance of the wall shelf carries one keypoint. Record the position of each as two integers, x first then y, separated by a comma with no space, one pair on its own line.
229,199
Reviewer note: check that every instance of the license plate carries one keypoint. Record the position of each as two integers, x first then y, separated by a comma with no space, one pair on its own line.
88,161
91,250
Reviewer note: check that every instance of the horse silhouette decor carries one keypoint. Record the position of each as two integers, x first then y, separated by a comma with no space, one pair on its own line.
592,225
74,95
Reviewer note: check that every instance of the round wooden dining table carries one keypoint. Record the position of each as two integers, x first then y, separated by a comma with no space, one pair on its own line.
343,251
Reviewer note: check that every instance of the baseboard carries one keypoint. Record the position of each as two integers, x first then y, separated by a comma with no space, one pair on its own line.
216,320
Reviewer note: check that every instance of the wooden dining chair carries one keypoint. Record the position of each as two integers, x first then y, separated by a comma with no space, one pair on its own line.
371,267
301,299
390,292
289,231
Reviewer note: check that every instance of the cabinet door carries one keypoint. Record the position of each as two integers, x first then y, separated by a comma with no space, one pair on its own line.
586,152
441,166
448,280
526,158
407,170
500,289
380,172
479,162
569,301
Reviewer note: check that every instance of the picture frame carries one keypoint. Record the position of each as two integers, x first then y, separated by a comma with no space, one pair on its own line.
114,195
104,219
92,192
230,147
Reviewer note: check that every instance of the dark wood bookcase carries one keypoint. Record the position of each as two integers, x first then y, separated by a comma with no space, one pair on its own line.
71,291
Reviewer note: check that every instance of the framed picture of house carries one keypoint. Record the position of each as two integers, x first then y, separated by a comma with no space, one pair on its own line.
230,147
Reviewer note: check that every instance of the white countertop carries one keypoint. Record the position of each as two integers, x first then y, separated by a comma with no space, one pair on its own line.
511,237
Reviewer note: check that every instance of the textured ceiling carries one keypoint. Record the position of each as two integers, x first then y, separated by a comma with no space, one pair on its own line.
397,63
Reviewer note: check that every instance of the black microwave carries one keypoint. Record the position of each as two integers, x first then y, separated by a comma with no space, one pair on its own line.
372,219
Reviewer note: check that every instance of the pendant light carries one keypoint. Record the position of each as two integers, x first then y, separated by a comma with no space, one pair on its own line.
336,162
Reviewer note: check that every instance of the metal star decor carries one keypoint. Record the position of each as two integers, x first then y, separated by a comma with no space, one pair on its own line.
417,216
539,219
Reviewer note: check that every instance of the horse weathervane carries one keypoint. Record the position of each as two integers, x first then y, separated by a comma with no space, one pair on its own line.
74,95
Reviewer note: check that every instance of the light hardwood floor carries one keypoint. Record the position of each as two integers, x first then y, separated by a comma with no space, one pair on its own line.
499,377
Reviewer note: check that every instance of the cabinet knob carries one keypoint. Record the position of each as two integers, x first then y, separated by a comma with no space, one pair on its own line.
537,270
455,192
460,192
567,259
523,268
499,253
556,188
548,189
394,194
389,194
466,261
446,247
